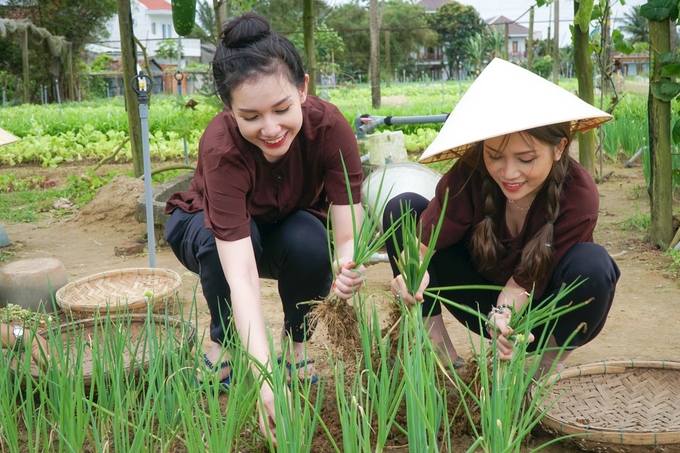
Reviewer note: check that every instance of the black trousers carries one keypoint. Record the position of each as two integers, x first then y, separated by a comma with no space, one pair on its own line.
453,266
293,251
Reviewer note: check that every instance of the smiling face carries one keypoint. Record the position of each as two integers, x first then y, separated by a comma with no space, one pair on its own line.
520,164
268,111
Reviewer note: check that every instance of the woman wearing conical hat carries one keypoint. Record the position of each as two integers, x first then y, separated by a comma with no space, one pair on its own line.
520,213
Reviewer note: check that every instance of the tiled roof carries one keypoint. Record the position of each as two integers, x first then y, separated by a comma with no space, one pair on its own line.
156,5
513,28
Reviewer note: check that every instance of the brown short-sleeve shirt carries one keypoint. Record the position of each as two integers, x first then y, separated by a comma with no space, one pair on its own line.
576,222
233,182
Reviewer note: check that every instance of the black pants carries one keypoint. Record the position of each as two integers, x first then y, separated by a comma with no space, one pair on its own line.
293,251
453,266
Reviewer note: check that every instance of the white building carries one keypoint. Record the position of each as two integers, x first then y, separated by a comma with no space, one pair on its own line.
152,23
518,36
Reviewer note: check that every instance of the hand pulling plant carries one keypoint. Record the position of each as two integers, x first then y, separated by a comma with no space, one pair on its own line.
336,314
506,417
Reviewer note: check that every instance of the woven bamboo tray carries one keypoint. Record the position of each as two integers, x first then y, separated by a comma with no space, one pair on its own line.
619,406
123,290
95,338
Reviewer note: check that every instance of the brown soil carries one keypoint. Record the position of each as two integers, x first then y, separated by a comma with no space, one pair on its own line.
647,294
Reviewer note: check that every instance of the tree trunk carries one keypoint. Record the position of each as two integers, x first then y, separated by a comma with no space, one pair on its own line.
660,183
220,8
129,57
584,74
310,51
374,65
530,41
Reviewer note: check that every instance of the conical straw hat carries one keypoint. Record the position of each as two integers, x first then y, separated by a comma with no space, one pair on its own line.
6,138
505,99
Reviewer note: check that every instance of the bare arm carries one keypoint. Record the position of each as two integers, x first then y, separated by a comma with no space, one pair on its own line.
240,270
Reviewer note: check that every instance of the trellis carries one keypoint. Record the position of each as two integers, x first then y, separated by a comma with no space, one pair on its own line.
60,49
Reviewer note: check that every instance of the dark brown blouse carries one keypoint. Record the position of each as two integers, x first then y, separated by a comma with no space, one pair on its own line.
234,182
576,222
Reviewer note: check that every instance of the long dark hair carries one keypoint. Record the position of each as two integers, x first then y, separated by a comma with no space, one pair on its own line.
537,259
249,49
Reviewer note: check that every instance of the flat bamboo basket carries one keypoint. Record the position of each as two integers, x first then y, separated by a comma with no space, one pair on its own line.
618,406
123,290
94,344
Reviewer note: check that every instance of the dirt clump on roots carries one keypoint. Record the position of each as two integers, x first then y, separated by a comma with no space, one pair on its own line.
340,320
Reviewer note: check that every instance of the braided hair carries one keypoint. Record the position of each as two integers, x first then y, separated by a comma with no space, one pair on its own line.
537,256
249,49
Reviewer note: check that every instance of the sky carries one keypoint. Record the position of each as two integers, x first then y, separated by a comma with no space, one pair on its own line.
519,10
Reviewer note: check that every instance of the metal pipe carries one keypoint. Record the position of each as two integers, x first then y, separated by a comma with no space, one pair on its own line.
365,124
378,258
635,157
142,85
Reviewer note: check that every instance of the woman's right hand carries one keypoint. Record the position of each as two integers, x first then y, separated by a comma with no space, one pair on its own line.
267,412
400,291
40,349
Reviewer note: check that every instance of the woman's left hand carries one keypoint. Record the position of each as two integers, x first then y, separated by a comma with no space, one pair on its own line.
500,330
349,279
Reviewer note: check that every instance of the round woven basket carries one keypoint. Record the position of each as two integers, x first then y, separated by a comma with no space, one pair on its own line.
95,339
123,290
619,406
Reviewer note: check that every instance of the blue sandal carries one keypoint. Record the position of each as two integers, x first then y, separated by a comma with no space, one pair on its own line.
301,364
224,383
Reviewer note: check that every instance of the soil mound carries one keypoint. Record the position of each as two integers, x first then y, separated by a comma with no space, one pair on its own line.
114,204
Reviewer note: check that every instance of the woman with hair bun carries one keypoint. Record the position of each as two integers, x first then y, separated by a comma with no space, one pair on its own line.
270,168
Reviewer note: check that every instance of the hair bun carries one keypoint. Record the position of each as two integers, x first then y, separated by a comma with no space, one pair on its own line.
245,31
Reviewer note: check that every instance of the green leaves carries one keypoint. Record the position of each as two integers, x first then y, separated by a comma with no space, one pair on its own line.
621,44
666,91
582,16
660,10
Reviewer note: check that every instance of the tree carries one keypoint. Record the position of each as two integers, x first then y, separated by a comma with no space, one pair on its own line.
584,73
664,65
207,23
475,49
636,25
77,21
456,23
350,20
310,50
495,42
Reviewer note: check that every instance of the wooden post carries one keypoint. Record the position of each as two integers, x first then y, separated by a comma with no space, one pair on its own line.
659,115
129,56
506,41
71,79
24,62
556,45
584,73
374,60
388,63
